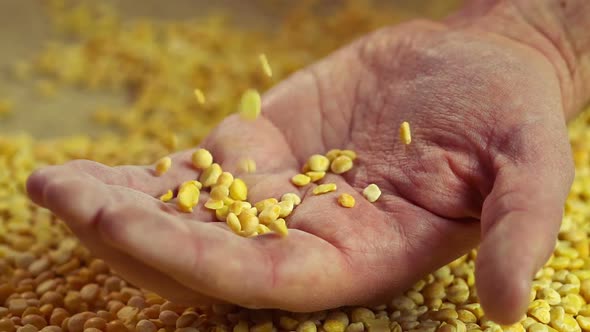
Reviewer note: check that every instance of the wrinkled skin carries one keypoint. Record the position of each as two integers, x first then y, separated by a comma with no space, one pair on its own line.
489,161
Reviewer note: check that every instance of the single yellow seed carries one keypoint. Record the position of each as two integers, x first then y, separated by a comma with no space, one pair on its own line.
346,200
541,314
349,153
192,183
188,196
566,324
221,214
202,159
262,229
334,326
404,133
300,180
307,326
247,165
200,96
537,327
291,197
167,196
288,323
279,226
227,201
163,165
210,175
341,164
286,208
250,105
237,207
332,154
263,204
214,204
324,188
219,193
248,222
372,192
198,184
550,295
265,65
253,211
238,190
584,322
234,223
269,214
225,179
315,176
318,163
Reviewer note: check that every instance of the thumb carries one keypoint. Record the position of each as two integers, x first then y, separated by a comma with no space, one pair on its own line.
520,221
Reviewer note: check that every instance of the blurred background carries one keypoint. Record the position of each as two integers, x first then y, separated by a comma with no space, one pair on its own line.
40,106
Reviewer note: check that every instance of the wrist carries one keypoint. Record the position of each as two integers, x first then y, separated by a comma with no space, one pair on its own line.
558,29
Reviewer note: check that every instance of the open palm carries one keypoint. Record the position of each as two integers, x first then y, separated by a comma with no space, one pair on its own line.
489,143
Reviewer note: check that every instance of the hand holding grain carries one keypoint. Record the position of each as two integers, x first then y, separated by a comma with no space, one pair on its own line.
489,158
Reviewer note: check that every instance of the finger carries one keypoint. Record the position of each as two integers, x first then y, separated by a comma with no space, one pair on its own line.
78,200
520,222
141,178
266,271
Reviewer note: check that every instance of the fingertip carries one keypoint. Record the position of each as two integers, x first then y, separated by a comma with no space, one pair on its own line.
503,288
74,199
35,185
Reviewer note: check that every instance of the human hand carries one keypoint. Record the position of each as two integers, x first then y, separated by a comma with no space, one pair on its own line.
489,143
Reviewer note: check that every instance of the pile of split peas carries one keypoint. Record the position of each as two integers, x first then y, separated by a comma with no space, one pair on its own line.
189,76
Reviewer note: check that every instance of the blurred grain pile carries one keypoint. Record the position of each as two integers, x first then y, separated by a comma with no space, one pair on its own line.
49,282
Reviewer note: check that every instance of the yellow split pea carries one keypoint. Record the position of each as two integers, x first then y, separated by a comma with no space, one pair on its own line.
291,197
210,176
300,180
234,222
332,154
341,164
238,190
372,192
163,165
250,105
225,179
219,193
202,159
318,163
324,188
279,226
263,204
188,196
200,96
269,214
265,65
214,204
404,133
167,196
346,200
315,176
